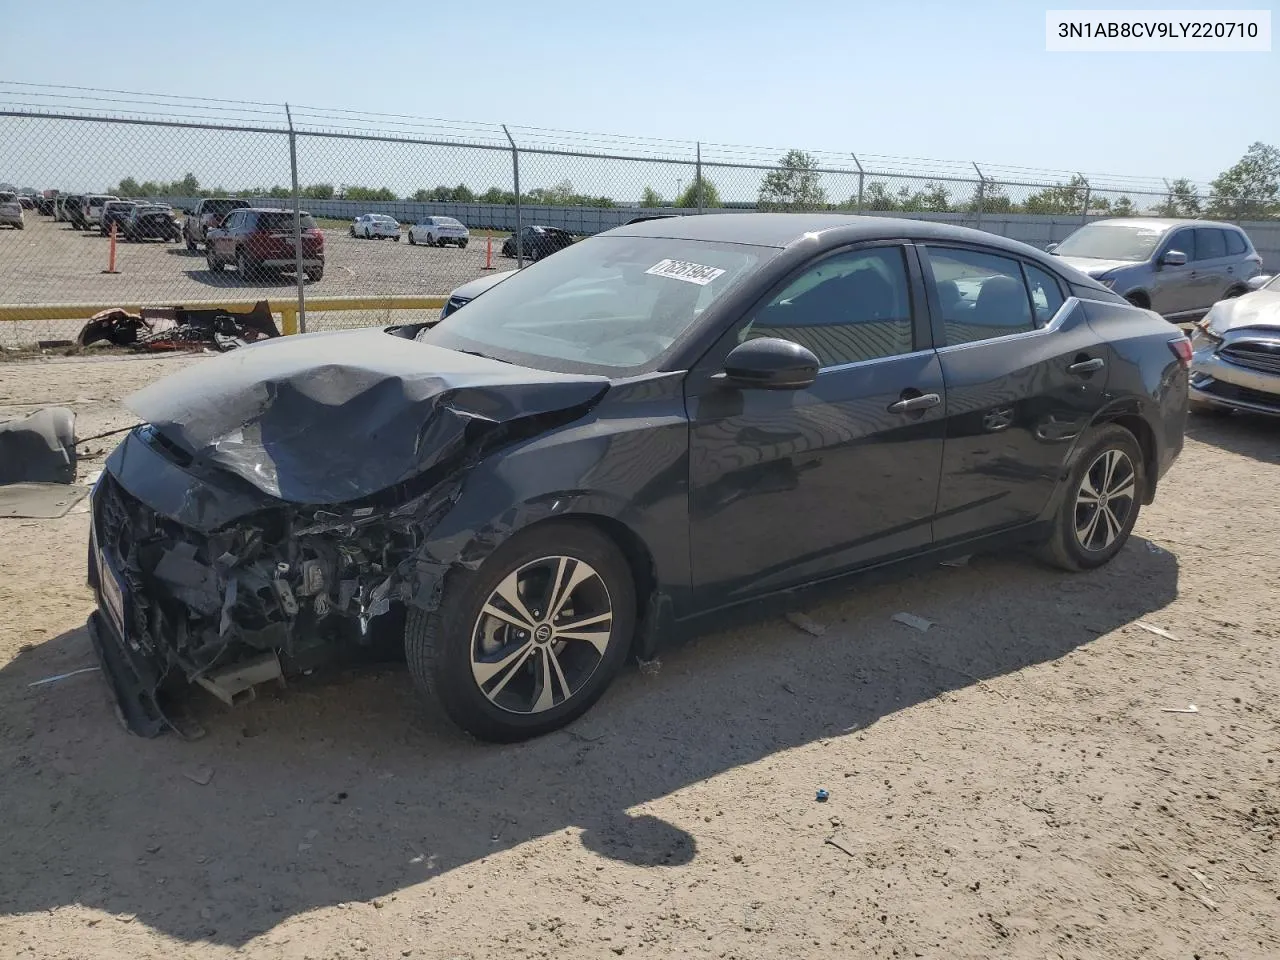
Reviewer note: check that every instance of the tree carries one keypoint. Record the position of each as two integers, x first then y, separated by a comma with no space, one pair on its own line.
651,198
318,191
1250,188
876,198
1182,200
188,186
1061,198
795,186
1123,207
369,194
128,188
710,195
497,195
991,199
462,194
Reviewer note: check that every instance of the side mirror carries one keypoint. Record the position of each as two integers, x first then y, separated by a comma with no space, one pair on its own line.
1258,282
768,363
1049,248
1173,258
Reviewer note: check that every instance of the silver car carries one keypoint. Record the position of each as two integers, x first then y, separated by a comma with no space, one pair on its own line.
11,209
1236,360
1178,268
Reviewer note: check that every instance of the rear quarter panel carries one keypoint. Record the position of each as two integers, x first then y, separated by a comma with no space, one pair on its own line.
1146,378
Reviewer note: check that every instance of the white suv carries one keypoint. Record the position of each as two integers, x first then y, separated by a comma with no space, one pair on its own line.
375,226
11,209
92,208
438,231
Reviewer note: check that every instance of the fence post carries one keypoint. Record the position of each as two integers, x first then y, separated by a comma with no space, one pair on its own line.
1084,214
515,174
860,179
982,195
698,175
297,225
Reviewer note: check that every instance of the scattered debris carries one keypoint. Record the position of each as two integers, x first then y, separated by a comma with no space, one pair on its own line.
912,621
807,624
823,796
201,775
1151,628
650,668
1204,882
1155,548
1203,899
833,842
1189,708
177,328
63,676
790,689
39,448
957,561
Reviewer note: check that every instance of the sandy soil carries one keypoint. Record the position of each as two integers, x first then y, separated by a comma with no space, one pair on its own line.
1007,784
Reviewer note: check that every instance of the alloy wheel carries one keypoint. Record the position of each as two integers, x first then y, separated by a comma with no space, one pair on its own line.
1105,500
541,634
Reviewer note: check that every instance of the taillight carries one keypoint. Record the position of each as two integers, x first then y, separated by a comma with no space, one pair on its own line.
1181,348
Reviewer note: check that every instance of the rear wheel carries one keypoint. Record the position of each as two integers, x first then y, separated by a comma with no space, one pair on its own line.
1103,496
412,242
215,265
531,640
316,274
396,238
462,244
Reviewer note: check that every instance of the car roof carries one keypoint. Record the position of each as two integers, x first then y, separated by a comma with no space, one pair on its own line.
1160,223
783,229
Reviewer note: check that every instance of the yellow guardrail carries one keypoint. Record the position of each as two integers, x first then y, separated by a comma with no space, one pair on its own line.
288,310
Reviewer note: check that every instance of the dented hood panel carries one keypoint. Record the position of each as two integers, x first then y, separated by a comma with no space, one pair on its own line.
1258,309
331,417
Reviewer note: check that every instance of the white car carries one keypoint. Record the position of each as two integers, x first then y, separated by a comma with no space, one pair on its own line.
375,226
438,231
92,208
11,209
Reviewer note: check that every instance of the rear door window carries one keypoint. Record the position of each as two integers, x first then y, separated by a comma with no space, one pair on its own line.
1235,243
1210,243
981,295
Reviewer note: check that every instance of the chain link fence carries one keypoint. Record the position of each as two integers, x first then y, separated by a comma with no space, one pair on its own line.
401,211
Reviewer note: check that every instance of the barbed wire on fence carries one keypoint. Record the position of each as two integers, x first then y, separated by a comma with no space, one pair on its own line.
163,150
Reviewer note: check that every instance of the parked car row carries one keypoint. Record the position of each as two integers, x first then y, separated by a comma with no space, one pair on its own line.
11,210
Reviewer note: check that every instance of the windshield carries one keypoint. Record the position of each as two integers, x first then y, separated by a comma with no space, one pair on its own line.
608,305
1107,241
223,206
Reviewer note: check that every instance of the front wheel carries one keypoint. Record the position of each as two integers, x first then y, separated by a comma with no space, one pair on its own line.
244,266
315,275
412,242
532,639
462,244
1103,496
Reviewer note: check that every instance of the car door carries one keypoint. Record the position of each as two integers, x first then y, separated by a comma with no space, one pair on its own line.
223,238
1172,287
1211,278
1024,375
789,486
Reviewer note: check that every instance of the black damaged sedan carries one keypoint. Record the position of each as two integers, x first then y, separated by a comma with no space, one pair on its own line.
609,448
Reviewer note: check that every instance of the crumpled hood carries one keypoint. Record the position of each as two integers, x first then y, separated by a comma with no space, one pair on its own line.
330,417
1258,309
1095,268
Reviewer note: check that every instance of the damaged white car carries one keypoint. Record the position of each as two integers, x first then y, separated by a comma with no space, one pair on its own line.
1236,363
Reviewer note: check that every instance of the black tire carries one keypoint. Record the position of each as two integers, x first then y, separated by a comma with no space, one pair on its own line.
352,231
412,242
396,238
462,244
215,265
192,246
315,276
1235,292
245,267
439,645
1139,301
1064,548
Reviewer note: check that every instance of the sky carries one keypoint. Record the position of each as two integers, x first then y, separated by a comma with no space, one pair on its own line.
945,80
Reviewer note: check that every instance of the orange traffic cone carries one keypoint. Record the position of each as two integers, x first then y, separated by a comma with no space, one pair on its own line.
111,257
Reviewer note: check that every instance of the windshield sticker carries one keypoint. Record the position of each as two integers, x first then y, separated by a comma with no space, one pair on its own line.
686,271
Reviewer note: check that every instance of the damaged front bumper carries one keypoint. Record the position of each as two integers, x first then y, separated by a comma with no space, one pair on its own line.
215,583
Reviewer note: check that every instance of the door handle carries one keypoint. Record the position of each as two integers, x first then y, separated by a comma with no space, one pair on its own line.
912,404
1092,365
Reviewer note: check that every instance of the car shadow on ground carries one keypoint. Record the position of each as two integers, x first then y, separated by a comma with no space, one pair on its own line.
340,789
229,278
1247,434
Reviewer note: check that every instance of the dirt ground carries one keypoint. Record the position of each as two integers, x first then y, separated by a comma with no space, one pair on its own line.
1008,784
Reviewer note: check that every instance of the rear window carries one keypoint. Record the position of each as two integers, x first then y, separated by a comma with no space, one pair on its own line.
7,197
278,222
449,222
223,206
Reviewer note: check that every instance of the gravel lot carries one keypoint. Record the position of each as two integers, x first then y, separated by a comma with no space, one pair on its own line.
51,263
1007,784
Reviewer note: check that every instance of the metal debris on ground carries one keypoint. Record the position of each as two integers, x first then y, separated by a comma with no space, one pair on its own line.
912,621
807,624
823,796
1189,708
63,676
1152,628
957,561
201,775
650,668
833,842
177,328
